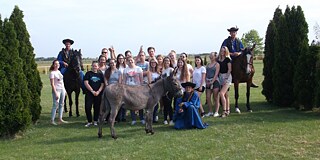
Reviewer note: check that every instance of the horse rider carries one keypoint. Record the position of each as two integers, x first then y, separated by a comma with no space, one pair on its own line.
235,46
64,57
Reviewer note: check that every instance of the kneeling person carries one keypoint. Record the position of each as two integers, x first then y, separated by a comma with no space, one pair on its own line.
186,109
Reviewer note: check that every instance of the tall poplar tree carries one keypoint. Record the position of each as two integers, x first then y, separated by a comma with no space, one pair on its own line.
26,53
271,41
16,98
283,68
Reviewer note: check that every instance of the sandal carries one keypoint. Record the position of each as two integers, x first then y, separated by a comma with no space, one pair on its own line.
224,114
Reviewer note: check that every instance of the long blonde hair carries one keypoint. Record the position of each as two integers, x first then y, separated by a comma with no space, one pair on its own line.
226,51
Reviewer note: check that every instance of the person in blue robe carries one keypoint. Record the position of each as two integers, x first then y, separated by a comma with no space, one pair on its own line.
186,114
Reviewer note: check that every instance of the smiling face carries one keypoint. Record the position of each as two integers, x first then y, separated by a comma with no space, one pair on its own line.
166,62
180,63
121,59
56,65
198,61
112,63
160,59
189,89
95,66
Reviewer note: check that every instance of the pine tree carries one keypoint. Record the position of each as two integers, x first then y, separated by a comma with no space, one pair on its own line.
315,50
283,68
16,98
29,65
271,41
304,76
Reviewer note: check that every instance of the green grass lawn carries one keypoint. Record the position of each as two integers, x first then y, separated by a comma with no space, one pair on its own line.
267,133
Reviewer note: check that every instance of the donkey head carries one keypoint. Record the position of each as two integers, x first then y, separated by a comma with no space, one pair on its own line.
171,84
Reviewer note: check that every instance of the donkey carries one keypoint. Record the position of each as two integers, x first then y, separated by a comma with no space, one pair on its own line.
135,98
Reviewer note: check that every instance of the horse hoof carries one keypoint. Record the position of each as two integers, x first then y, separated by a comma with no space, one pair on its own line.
250,110
78,115
114,137
99,135
70,115
152,132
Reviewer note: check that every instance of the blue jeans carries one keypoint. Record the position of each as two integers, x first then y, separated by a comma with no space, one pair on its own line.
58,102
133,115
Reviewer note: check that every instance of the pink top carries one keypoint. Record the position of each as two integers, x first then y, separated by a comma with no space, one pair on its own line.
57,79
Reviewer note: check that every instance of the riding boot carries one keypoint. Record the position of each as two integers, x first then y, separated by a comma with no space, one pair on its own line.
254,85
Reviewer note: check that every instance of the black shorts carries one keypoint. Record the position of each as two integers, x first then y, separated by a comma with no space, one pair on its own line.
202,89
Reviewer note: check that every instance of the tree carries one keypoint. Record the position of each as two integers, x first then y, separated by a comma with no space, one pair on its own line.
271,41
16,98
283,68
29,65
316,50
304,77
252,37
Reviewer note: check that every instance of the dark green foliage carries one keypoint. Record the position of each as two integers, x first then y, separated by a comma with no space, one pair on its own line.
304,76
271,41
283,68
29,65
15,113
315,50
205,62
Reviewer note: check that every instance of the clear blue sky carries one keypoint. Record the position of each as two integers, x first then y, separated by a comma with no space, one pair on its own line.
192,26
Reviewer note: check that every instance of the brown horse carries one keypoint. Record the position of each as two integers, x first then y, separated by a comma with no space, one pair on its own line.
242,72
135,98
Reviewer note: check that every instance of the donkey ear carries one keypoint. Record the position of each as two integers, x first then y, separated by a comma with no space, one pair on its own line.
164,76
171,75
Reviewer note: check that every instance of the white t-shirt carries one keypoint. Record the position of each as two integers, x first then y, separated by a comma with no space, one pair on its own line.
167,71
132,75
57,79
145,67
197,75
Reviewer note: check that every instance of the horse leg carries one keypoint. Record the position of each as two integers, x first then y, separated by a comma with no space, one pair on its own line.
77,103
70,103
248,96
236,93
65,104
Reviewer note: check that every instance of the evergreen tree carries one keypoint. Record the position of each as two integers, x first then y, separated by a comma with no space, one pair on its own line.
16,98
283,68
271,41
315,50
29,65
304,76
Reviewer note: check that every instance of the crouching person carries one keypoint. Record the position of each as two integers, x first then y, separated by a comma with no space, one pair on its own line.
186,114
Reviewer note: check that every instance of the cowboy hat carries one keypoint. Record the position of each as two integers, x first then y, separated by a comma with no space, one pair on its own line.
233,29
184,85
67,40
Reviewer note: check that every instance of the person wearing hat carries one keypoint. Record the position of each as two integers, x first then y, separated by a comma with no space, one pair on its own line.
234,45
186,114
64,57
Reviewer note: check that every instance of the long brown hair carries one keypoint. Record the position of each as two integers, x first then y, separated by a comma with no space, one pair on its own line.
107,74
184,71
52,65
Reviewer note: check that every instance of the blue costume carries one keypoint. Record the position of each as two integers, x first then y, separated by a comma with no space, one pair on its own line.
233,45
64,56
190,117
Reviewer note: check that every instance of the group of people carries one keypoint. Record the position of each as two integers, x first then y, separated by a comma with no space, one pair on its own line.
215,79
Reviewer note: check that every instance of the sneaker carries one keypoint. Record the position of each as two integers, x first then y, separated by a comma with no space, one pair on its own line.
143,122
53,123
238,110
209,114
171,123
133,122
156,119
216,114
95,123
88,124
165,122
203,114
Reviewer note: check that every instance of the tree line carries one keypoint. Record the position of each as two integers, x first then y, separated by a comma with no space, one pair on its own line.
291,66
20,86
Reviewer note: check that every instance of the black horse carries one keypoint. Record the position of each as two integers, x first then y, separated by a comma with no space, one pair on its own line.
72,80
242,72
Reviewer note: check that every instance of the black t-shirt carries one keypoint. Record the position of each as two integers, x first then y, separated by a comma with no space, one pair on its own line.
224,65
94,79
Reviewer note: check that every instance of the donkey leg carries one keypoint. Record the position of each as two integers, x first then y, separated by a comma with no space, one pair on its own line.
149,120
77,103
112,119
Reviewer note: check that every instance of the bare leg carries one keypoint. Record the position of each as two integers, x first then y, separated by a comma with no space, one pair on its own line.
216,99
208,97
